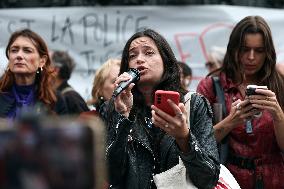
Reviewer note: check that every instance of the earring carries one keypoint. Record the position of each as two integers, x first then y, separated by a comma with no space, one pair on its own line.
39,70
101,100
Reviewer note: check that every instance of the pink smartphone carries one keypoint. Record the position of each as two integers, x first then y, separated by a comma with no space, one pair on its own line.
160,100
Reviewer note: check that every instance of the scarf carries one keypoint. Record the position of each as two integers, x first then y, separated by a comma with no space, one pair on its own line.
24,97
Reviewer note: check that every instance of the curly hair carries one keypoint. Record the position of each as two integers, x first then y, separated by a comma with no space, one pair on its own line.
43,81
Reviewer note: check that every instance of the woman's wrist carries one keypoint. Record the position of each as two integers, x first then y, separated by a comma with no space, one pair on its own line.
222,128
279,117
183,143
125,113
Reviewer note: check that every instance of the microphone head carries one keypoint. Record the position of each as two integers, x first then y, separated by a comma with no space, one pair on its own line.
123,85
135,74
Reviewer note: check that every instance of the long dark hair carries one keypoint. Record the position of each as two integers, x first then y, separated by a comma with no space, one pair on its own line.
268,75
171,77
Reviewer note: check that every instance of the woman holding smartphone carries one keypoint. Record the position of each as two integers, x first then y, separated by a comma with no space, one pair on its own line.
255,139
142,139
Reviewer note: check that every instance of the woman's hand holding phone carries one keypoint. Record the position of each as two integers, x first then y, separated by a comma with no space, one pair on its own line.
161,100
265,99
170,115
251,90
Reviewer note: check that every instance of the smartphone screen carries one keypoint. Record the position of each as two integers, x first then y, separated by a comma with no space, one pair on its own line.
250,90
161,98
55,155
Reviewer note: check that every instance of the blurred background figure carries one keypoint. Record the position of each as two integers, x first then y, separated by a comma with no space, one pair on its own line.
215,58
280,68
64,66
103,85
27,80
185,75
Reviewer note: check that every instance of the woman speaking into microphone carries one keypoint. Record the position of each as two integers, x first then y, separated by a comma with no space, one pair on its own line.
143,140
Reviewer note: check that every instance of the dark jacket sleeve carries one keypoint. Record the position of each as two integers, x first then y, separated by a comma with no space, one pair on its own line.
202,162
60,105
75,103
116,151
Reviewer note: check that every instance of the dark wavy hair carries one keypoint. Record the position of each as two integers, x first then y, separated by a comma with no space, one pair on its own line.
268,75
171,77
43,82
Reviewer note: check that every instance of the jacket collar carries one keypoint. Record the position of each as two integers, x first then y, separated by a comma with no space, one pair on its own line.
139,133
141,136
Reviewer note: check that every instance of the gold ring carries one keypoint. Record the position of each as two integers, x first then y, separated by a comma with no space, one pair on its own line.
179,114
267,98
166,125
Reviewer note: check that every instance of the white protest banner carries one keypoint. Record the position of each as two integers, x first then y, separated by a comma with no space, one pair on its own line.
93,34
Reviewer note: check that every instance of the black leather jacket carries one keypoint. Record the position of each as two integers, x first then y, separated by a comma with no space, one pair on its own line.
131,157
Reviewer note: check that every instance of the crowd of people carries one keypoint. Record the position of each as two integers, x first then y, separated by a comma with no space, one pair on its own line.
143,140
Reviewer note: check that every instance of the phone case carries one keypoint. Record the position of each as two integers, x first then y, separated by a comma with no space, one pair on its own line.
250,90
160,101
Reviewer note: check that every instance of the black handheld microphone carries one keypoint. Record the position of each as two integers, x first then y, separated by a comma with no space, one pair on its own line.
124,84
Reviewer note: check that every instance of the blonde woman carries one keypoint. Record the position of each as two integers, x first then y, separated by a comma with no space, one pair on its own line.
103,85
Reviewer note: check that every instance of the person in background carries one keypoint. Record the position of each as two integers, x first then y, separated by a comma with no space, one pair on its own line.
185,75
280,68
254,124
27,81
142,140
215,58
64,66
103,85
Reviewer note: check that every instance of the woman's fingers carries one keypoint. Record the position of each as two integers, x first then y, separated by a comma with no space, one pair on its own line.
175,126
124,101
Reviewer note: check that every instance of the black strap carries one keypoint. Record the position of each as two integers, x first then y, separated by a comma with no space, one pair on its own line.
241,162
223,146
219,93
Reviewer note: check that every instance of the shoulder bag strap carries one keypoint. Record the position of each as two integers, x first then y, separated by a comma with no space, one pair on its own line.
67,89
187,99
219,93
223,146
